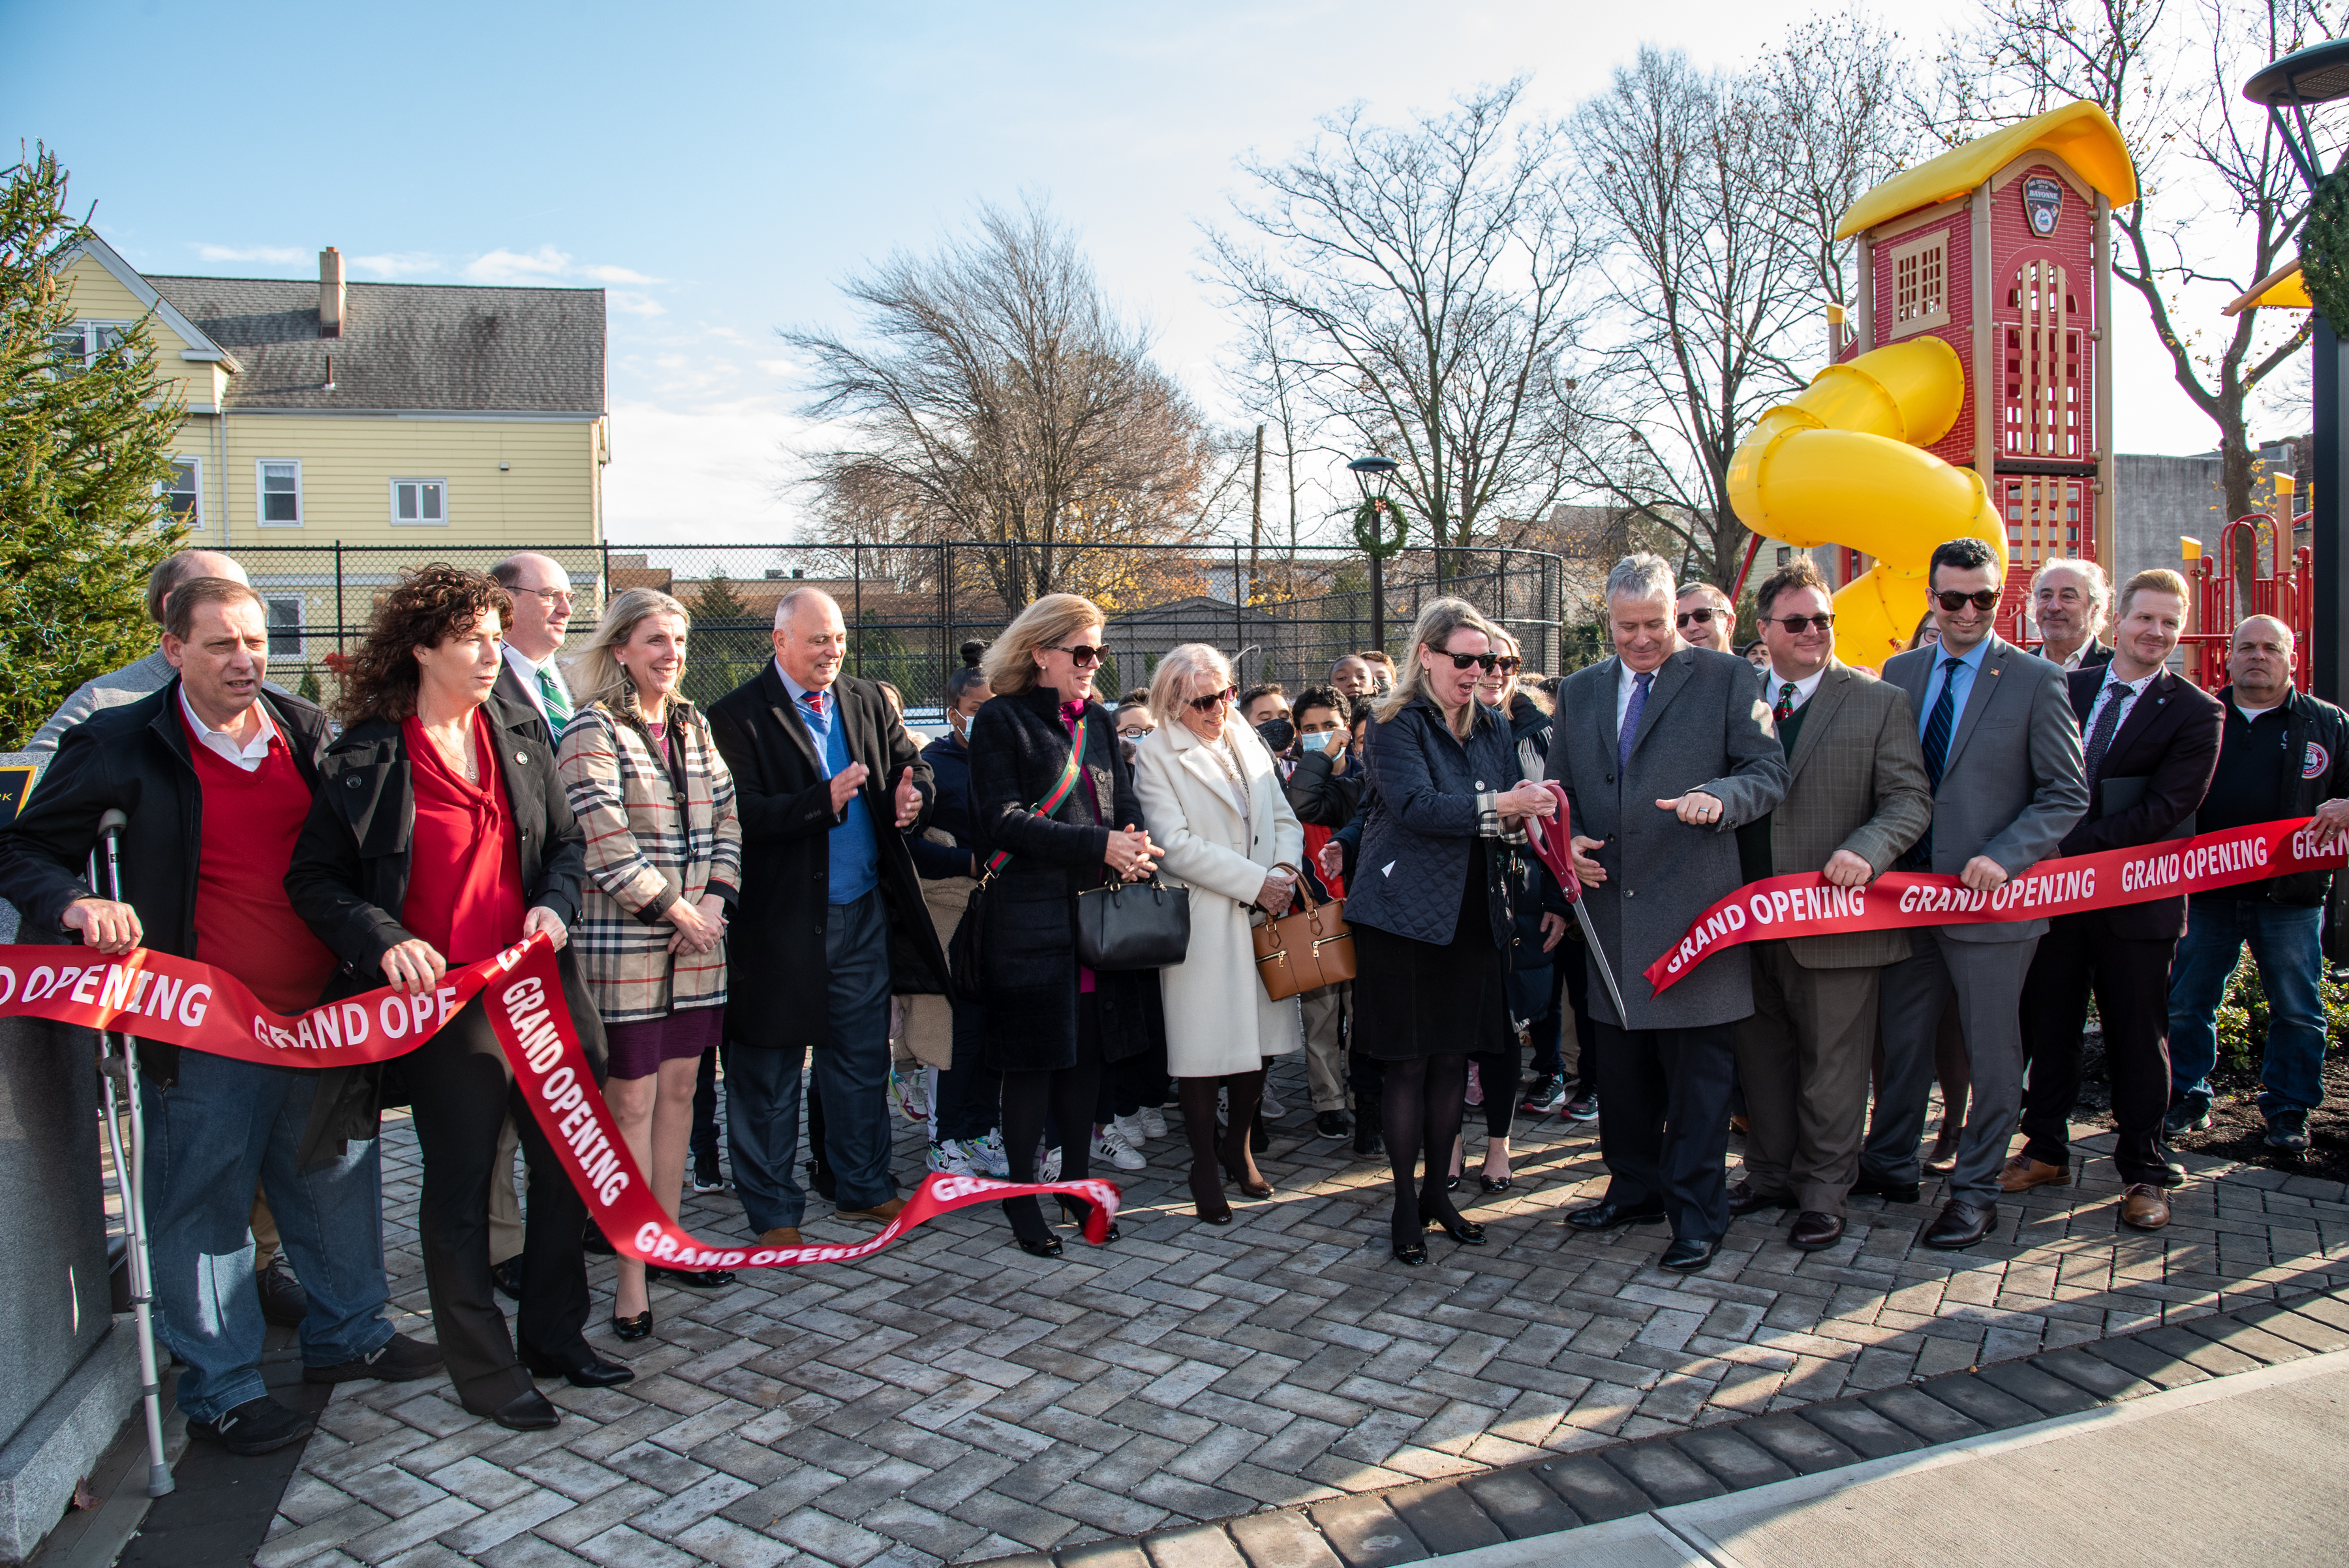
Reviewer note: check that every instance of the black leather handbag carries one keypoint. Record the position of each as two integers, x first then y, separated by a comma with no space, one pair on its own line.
1133,925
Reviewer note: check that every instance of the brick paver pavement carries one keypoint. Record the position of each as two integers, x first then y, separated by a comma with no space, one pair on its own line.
953,1399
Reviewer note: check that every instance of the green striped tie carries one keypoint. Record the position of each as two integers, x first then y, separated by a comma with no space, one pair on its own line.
558,701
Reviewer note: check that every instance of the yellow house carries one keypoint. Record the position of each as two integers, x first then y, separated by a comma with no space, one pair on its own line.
337,430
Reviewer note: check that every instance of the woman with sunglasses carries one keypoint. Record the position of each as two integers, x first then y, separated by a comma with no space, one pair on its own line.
1427,907
1051,1022
1214,795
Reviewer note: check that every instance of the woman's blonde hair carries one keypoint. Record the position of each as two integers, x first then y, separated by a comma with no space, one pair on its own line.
1170,685
1437,622
1011,659
596,675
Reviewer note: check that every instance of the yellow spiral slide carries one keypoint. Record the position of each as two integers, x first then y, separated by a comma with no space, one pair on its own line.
1843,464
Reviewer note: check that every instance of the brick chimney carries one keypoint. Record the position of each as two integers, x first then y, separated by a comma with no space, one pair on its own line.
330,293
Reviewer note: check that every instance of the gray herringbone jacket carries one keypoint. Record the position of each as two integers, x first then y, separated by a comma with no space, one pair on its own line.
1858,784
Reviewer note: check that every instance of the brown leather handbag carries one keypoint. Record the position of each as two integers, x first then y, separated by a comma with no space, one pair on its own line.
1306,950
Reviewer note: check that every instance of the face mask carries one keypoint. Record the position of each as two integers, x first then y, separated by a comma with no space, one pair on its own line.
1325,740
1279,734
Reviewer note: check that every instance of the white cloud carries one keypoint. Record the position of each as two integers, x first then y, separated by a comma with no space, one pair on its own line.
700,471
408,263
509,267
634,303
615,274
277,255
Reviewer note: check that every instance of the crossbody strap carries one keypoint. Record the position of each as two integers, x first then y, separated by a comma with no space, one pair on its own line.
1060,792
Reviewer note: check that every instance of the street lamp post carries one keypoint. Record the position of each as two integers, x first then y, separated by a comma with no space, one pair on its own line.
2289,87
1373,474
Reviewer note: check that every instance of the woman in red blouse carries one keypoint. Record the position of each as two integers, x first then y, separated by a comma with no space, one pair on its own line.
440,836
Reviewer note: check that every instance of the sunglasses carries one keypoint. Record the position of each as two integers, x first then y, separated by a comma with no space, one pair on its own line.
1213,699
1082,657
1796,624
1702,616
1508,664
1487,662
1987,600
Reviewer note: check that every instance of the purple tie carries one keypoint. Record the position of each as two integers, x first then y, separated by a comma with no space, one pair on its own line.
1631,711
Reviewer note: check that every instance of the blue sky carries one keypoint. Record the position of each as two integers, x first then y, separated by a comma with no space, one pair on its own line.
720,167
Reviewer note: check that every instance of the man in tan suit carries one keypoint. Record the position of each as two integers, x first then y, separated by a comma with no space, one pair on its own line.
1857,800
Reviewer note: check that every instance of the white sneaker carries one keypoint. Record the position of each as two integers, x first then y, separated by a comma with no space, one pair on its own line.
1131,1129
952,1158
912,1101
1153,1123
987,1156
1048,1165
1270,1108
1109,1144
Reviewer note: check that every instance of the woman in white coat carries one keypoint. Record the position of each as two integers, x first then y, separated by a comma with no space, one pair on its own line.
1213,801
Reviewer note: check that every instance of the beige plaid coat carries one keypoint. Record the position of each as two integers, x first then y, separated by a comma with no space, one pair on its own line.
647,846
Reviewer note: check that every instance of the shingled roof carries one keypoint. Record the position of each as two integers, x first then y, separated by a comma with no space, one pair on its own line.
406,347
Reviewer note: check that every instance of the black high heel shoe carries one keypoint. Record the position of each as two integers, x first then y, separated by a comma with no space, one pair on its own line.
691,1279
1494,1184
1260,1188
1468,1233
1412,1252
1075,1213
1050,1247
631,1328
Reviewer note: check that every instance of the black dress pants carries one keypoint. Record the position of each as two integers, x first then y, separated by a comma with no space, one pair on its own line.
2130,978
460,1091
1664,1128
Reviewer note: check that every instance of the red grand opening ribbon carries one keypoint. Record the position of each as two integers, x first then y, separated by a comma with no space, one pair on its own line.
1809,905
180,1002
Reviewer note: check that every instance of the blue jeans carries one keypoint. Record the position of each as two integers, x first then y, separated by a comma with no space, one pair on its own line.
2285,944
852,1073
210,1138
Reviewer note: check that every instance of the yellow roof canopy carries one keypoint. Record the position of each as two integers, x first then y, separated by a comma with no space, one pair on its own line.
2080,133
2285,287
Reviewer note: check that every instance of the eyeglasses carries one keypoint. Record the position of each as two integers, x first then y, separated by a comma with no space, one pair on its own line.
1796,624
1213,699
552,596
1082,657
1508,664
1702,616
1485,661
1987,600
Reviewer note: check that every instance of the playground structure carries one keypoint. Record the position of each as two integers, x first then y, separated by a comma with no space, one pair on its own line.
1987,267
2237,583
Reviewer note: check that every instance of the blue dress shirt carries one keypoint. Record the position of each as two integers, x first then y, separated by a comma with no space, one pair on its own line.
855,853
1961,682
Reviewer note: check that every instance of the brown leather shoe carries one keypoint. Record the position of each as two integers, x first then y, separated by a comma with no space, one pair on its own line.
2023,1173
2146,1207
879,1214
1743,1200
1738,1124
1814,1231
782,1236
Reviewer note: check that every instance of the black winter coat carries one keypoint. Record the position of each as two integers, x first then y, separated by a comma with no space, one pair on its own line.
350,877
136,758
1018,748
949,760
776,970
1425,810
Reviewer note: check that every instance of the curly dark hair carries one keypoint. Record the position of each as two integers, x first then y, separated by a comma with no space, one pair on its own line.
430,604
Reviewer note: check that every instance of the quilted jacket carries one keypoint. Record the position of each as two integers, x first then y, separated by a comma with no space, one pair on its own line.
1426,808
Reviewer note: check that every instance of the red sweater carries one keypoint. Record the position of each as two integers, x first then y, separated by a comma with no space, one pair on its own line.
243,922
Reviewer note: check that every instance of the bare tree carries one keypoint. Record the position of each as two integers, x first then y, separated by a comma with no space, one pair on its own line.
1423,280
1267,380
2218,200
1720,247
999,397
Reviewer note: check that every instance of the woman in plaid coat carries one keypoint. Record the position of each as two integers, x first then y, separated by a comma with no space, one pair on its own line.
664,860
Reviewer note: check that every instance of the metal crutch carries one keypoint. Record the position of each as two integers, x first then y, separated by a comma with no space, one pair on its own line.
118,1064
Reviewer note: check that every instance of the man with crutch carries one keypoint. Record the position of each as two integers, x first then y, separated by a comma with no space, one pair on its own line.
215,777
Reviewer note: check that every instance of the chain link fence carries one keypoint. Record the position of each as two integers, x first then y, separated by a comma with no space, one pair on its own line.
1284,616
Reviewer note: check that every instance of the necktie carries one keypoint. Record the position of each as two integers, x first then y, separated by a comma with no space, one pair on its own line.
815,700
2100,736
1630,731
558,701
1939,726
1786,707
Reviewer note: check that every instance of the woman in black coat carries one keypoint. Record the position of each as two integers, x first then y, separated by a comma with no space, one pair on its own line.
1050,1023
1430,914
429,745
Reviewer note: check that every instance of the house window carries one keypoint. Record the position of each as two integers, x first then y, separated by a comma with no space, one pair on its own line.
1785,554
420,503
1920,283
281,493
80,345
183,492
284,627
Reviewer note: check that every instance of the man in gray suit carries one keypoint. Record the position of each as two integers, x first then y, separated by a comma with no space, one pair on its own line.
1856,801
2002,754
1663,751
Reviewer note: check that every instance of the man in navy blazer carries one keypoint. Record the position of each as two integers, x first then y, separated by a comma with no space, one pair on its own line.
2003,756
2152,743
